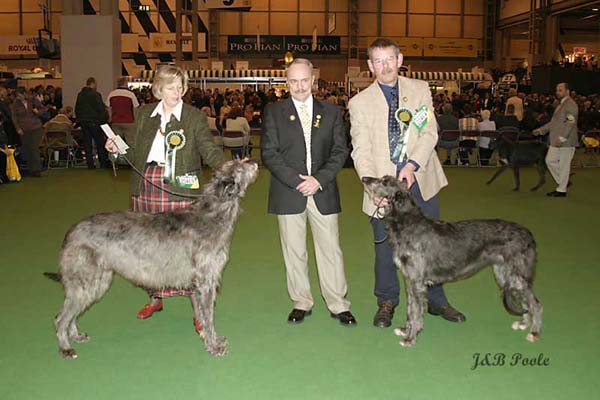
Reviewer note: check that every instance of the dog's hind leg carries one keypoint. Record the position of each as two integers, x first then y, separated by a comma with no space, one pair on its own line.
207,291
101,284
541,168
534,316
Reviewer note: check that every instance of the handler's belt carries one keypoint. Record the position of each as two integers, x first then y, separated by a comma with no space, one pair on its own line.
155,164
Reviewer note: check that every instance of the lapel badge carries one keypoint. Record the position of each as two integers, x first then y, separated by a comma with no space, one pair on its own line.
317,123
292,117
404,99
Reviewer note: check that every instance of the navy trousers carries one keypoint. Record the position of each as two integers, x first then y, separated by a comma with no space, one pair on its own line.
387,285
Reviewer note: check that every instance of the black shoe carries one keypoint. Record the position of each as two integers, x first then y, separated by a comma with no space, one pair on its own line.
447,162
557,194
297,316
448,312
345,318
385,313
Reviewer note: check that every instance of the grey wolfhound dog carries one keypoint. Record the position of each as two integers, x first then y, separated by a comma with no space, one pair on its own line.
182,248
430,252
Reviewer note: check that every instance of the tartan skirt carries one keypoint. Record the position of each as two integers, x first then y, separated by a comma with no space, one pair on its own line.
153,200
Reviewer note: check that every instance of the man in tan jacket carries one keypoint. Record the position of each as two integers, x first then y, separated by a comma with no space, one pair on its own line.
394,132
562,140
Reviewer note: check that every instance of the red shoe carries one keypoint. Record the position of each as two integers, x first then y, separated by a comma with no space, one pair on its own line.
148,310
197,326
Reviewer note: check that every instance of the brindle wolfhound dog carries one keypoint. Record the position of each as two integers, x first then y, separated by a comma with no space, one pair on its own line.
431,252
181,249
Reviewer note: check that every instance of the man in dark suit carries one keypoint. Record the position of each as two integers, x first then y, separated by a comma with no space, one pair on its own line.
304,146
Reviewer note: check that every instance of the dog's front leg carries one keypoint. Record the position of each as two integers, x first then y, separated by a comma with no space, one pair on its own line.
417,301
498,172
195,298
515,168
215,345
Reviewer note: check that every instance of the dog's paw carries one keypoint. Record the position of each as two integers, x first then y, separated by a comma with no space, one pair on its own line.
519,326
219,348
68,354
407,342
402,332
81,338
532,337
488,182
516,189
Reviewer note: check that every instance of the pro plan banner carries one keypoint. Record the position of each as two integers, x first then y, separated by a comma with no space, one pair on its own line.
277,44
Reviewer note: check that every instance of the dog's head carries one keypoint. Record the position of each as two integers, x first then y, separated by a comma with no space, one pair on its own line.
234,177
395,191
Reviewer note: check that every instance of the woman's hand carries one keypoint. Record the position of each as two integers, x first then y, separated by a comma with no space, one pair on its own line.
110,146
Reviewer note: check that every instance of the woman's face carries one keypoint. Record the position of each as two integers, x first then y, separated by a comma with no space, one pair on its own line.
172,93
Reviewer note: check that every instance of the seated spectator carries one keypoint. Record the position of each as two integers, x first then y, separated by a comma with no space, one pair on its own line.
236,122
212,121
60,123
465,125
485,150
447,122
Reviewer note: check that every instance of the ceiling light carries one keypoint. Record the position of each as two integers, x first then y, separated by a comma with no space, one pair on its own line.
594,9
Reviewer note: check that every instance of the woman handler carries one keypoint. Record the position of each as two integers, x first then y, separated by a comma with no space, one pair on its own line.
171,141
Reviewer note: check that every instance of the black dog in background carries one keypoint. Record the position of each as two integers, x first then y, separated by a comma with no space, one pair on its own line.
516,154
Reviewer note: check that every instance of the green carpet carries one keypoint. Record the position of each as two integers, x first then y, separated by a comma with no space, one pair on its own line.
268,359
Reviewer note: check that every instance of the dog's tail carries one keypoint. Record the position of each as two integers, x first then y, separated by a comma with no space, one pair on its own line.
512,299
53,276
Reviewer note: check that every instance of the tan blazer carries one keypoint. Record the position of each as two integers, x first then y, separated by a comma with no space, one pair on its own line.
369,131
563,124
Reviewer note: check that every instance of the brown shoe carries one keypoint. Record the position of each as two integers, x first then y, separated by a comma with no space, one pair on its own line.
448,312
385,313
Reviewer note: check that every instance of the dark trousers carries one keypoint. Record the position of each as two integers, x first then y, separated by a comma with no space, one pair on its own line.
3,177
387,285
90,133
31,141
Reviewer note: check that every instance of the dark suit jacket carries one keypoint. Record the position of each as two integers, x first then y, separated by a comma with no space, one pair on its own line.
284,154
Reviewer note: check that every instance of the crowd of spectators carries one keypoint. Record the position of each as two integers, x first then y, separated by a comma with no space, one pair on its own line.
241,110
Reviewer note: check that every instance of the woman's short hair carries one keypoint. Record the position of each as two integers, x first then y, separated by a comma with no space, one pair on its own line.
166,75
235,112
485,114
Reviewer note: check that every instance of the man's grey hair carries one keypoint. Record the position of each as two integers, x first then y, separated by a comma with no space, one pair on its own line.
302,61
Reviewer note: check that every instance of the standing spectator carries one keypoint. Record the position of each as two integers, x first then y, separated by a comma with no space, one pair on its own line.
91,113
447,122
25,111
516,102
563,139
121,104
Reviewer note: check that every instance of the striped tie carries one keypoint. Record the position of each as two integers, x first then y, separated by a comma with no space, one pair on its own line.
305,119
